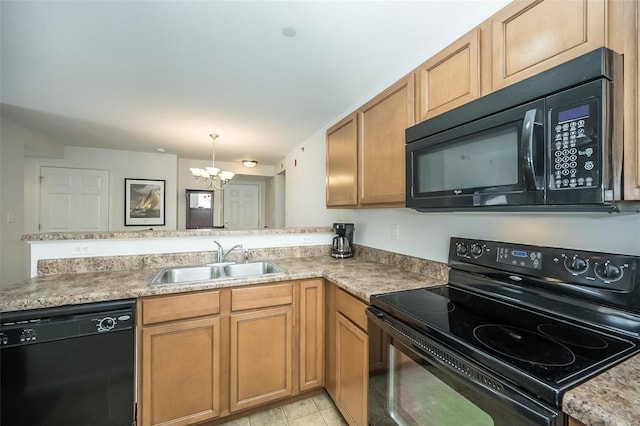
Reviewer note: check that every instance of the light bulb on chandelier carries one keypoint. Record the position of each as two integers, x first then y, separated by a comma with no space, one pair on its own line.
212,177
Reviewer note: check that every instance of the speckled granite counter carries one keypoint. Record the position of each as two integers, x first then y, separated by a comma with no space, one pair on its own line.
610,399
359,277
159,233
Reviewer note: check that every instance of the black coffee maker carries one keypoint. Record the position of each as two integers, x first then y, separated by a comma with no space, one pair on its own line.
343,242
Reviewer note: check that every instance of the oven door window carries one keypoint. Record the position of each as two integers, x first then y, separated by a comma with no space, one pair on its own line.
417,396
417,392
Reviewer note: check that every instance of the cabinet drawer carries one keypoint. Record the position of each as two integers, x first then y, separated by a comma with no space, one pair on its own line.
351,308
261,297
169,308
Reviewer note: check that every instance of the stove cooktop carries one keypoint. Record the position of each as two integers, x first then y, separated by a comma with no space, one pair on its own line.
551,350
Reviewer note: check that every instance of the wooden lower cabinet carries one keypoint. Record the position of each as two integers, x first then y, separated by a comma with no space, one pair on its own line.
261,356
346,354
311,362
209,354
180,372
352,371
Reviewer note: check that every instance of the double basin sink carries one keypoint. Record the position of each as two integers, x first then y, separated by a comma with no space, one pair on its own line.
182,274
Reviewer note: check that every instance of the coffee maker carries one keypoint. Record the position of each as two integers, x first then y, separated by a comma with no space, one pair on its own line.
343,242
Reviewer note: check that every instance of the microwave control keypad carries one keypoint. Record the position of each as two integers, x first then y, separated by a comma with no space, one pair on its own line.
574,160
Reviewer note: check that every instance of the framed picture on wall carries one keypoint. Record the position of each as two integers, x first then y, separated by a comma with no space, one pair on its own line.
144,202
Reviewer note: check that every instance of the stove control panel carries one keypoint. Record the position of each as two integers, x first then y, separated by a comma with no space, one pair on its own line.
581,268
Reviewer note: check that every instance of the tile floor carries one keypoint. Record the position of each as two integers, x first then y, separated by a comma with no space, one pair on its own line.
317,410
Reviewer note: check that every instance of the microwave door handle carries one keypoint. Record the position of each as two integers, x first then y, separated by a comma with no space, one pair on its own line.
528,147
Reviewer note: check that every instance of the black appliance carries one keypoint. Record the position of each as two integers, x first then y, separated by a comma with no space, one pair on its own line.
342,244
550,142
71,365
516,327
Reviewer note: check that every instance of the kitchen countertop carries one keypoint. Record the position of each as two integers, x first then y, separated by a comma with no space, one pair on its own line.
359,277
612,398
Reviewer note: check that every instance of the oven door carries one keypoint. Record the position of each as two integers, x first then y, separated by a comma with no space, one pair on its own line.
414,380
494,161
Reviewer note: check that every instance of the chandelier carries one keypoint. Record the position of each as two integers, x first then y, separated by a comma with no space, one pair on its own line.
212,177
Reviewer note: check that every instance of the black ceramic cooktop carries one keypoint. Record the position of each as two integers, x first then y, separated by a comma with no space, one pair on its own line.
549,349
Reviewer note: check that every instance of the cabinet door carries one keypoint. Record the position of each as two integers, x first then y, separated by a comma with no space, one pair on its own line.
311,334
352,371
450,78
342,166
180,372
261,356
534,35
330,340
381,144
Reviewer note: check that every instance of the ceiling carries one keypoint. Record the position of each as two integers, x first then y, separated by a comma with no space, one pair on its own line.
141,75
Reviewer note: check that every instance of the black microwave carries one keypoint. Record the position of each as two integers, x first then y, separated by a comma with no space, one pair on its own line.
550,142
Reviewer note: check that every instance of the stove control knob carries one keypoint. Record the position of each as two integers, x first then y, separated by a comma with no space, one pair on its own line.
461,249
608,271
576,265
476,249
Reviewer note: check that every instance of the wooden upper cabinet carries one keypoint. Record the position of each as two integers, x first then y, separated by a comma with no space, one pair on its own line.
381,144
531,36
450,78
342,163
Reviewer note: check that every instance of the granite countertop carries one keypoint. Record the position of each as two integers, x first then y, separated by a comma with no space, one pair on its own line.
612,398
359,277
161,233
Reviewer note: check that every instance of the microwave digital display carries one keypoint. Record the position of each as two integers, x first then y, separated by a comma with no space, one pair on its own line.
581,111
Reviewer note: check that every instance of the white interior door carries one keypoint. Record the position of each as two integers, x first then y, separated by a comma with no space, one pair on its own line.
74,199
242,205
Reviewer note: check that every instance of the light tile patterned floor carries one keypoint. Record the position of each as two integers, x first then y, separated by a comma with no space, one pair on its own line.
317,410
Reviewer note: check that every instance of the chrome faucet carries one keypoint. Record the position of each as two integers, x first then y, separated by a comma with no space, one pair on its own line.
221,254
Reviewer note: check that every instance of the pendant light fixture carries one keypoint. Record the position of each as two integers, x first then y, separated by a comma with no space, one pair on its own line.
212,177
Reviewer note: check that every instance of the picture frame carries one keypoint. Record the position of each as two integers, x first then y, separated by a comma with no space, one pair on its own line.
144,202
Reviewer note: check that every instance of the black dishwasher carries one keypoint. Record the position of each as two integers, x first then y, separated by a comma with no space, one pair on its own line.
71,365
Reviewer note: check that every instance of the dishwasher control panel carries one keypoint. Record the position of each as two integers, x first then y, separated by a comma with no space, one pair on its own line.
46,329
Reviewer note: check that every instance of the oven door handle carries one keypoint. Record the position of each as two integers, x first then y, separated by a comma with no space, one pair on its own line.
528,142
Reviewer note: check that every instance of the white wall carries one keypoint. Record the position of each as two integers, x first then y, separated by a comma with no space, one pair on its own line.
305,187
121,165
16,141
12,250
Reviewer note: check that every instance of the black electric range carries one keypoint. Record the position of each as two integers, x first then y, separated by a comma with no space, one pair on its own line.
545,319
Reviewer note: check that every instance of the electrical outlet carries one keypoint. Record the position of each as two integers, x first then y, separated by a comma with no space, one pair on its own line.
395,232
11,217
82,249
306,240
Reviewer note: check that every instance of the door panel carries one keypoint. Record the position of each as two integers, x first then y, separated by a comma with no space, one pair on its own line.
242,206
74,200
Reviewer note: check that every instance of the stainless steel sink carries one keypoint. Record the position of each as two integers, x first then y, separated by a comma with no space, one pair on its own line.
183,274
252,268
